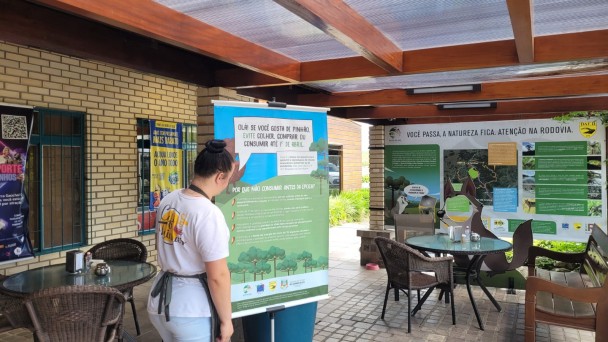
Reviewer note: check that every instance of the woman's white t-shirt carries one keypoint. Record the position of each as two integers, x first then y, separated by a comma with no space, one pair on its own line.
190,231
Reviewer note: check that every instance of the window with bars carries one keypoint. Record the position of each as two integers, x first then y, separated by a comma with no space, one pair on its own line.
54,180
146,217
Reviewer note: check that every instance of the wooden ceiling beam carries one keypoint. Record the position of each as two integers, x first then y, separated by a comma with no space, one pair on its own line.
348,27
239,78
162,23
572,85
571,46
44,28
522,21
527,106
477,118
547,49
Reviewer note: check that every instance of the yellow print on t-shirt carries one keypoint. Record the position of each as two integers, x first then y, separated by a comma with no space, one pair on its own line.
172,224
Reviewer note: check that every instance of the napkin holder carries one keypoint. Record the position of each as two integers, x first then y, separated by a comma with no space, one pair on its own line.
74,261
456,233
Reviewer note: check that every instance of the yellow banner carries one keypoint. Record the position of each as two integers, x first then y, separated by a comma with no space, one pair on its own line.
166,165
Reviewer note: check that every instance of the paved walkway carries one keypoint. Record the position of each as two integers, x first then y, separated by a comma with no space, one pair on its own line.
353,311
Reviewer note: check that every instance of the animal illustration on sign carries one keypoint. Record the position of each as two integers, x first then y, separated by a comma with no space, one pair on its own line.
400,206
530,205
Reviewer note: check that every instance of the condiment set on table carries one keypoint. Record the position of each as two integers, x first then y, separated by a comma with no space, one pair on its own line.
78,262
458,234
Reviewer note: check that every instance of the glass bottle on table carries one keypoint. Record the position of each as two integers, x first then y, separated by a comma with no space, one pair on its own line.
467,234
88,260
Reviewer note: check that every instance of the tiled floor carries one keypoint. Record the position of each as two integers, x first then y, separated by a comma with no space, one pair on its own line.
353,311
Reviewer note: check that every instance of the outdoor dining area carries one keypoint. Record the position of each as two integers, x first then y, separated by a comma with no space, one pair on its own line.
81,300
359,297
487,134
468,249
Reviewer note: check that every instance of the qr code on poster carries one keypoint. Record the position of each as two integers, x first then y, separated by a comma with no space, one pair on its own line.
14,127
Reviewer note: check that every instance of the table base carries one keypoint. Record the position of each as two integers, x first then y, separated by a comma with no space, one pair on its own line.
473,269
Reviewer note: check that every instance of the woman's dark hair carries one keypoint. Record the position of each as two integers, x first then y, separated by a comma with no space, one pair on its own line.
213,158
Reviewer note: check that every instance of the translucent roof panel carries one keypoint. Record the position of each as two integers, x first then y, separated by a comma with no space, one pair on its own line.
411,24
463,76
419,24
265,23
564,16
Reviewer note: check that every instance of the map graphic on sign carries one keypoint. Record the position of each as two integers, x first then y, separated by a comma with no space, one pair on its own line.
460,164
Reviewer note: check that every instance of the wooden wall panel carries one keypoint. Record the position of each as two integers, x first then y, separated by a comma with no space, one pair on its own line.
347,134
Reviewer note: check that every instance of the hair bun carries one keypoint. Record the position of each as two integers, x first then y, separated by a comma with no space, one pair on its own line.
215,146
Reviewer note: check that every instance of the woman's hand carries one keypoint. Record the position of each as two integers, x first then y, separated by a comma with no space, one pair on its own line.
226,331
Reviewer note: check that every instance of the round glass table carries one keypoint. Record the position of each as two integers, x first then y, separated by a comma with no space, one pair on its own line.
478,250
123,275
441,243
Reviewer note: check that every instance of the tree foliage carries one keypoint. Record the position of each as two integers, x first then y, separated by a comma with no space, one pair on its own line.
288,265
601,114
322,262
320,146
253,256
274,254
394,185
310,263
240,268
261,268
260,263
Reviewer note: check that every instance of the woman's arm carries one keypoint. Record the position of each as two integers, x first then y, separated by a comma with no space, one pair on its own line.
218,277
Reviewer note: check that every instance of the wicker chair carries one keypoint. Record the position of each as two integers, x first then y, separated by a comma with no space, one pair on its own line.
404,266
76,313
13,309
122,249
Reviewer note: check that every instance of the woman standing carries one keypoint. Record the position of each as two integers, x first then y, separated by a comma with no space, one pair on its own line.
192,239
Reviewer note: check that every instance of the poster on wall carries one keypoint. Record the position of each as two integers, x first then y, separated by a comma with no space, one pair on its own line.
165,160
546,170
411,179
276,205
15,126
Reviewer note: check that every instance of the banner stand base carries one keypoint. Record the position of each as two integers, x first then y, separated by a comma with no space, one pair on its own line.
271,312
291,324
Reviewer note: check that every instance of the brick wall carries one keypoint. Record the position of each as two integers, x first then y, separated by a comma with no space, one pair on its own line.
347,134
112,98
376,177
204,109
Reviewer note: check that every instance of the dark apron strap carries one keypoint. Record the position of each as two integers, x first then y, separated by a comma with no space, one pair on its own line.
215,320
163,288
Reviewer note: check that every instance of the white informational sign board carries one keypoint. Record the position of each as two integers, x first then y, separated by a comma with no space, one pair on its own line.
276,205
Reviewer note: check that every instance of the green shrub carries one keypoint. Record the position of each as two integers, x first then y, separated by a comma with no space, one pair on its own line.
561,246
348,206
558,246
334,192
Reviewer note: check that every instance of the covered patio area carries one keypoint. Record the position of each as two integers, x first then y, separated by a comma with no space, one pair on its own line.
384,63
353,311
